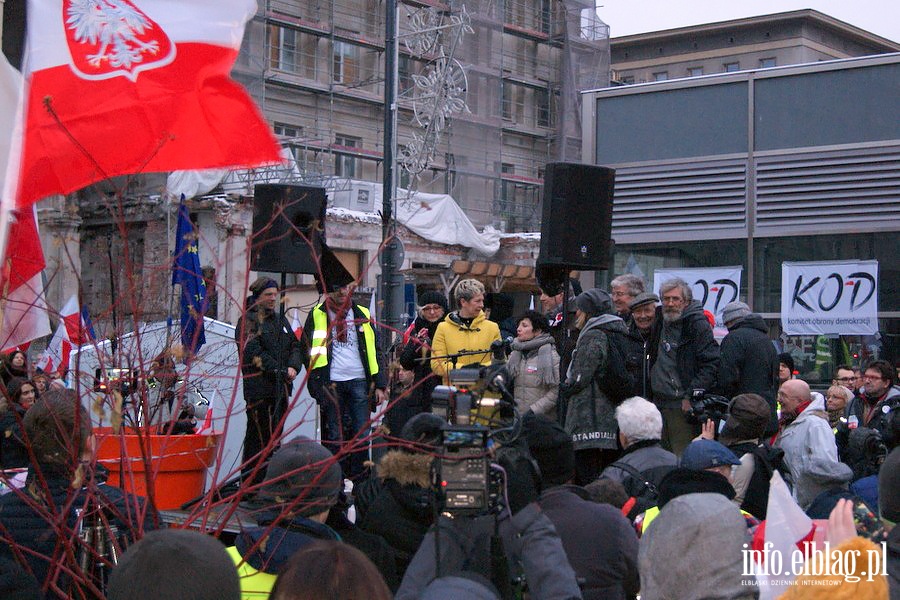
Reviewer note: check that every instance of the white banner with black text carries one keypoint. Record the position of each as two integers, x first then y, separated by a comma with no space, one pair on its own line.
835,297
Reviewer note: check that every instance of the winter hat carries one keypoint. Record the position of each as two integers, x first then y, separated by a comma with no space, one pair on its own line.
168,564
594,302
705,454
433,297
700,534
262,284
642,299
787,360
552,449
748,417
889,487
305,469
735,311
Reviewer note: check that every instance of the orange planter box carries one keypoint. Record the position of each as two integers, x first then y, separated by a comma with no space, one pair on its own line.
176,464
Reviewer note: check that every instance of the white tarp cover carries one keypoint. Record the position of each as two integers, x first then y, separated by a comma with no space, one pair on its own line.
215,373
438,218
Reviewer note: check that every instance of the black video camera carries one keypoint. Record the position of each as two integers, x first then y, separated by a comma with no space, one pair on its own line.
706,407
462,471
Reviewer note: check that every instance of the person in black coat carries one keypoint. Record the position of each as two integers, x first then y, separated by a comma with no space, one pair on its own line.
413,355
749,361
13,450
270,360
398,504
40,523
607,570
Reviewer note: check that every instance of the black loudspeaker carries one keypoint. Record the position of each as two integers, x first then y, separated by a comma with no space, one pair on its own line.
285,219
577,216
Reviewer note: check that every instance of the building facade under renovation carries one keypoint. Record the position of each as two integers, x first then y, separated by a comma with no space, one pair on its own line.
487,94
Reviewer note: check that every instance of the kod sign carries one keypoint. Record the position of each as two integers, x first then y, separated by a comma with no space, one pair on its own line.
820,298
712,287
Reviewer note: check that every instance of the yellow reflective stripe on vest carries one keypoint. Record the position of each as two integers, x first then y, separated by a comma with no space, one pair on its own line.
255,585
653,512
318,353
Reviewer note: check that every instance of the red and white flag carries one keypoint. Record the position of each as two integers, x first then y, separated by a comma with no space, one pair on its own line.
70,332
21,285
118,87
296,325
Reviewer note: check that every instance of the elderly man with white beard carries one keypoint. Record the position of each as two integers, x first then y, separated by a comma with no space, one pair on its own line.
687,359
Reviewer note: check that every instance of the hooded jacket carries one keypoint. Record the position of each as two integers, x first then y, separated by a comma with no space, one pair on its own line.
401,509
590,416
810,452
693,551
749,361
534,389
453,336
530,543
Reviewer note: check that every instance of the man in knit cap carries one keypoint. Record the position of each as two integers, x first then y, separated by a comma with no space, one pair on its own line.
608,570
749,362
301,486
270,360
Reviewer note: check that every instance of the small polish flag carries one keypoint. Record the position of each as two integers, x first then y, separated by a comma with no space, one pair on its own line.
296,325
72,330
207,420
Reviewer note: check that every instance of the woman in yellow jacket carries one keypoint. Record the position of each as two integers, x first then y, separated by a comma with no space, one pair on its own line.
464,329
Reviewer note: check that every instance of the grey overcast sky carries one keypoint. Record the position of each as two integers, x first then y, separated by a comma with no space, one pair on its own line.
625,17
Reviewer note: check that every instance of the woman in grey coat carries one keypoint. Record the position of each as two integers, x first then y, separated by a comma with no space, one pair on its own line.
591,416
533,366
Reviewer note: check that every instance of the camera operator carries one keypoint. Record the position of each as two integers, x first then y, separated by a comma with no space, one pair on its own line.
459,544
40,524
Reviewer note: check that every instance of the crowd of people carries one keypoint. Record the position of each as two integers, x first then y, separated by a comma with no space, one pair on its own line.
643,460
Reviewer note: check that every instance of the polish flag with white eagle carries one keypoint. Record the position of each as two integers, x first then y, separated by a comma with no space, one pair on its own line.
118,87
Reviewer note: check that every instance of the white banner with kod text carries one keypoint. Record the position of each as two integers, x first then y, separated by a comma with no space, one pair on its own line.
837,297
713,287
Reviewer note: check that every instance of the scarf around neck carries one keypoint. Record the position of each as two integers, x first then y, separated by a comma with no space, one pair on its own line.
544,344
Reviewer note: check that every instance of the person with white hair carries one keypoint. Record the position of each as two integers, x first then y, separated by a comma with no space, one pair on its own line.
643,459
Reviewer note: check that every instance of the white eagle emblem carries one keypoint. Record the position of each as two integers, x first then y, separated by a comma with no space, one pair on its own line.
109,38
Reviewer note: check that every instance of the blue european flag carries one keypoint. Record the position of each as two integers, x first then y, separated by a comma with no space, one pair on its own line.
186,272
